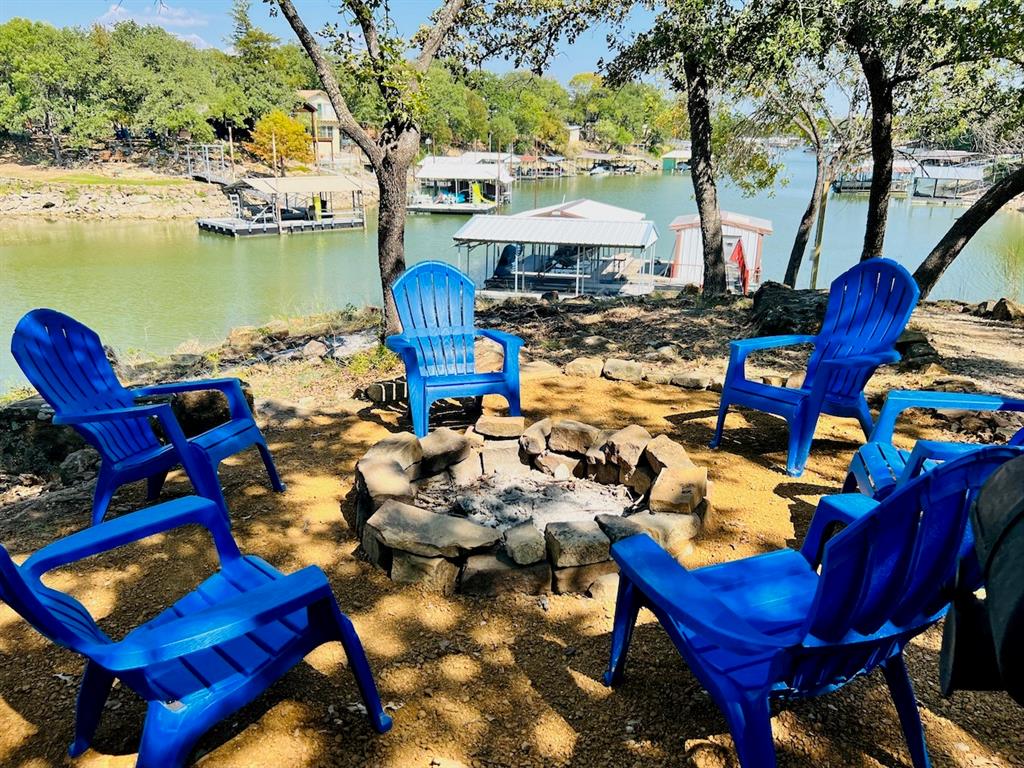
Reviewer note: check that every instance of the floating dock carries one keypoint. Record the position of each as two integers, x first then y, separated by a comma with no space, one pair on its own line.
244,228
465,209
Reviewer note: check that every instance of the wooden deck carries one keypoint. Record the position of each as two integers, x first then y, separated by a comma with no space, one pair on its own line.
236,227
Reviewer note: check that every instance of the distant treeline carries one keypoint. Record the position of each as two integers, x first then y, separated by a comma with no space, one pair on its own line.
77,86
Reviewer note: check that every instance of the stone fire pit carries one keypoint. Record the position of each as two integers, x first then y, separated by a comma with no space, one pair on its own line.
510,507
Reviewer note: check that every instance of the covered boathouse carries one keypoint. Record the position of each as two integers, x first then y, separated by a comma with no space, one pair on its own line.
578,247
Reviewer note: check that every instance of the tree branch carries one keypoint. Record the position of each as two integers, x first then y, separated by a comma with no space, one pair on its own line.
443,24
364,18
346,120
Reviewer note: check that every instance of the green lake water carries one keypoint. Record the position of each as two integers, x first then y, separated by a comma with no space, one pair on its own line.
151,285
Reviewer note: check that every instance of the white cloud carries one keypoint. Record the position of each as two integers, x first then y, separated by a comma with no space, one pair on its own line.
160,14
194,39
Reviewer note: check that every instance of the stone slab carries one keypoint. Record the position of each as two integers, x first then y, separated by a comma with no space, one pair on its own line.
622,370
437,574
558,465
500,426
415,530
375,550
626,447
586,367
467,471
534,439
524,543
402,447
442,448
502,456
578,578
579,542
492,574
665,453
679,490
570,436
672,531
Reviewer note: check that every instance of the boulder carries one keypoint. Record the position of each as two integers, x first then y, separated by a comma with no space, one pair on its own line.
436,574
585,367
204,409
679,490
796,380
672,531
377,481
605,588
663,453
626,447
467,471
568,436
442,448
79,466
244,338
657,376
415,530
276,330
779,310
534,440
402,448
492,574
691,381
578,542
622,370
524,543
1008,311
578,578
377,553
502,456
560,466
539,370
640,479
314,349
500,426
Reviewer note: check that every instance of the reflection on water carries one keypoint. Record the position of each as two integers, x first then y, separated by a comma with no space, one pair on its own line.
152,285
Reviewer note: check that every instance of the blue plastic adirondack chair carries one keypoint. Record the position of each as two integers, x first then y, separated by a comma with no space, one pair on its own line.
436,306
66,363
868,308
209,654
879,467
793,624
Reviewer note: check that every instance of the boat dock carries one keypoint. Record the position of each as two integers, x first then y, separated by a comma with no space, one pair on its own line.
237,227
466,209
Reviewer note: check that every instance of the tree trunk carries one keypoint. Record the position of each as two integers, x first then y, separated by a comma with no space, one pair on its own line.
702,174
392,181
881,152
964,228
803,232
54,141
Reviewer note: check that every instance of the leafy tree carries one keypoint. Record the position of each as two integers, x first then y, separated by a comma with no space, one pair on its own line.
503,131
279,138
899,42
263,71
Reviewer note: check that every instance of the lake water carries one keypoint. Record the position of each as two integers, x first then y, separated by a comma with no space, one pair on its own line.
149,286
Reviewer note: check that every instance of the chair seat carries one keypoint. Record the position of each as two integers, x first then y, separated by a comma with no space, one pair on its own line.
770,398
232,663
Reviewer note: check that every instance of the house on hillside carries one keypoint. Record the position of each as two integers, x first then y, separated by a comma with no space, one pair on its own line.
315,106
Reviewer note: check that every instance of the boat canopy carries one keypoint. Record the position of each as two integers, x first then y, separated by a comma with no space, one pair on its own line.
557,231
583,208
460,170
729,219
302,185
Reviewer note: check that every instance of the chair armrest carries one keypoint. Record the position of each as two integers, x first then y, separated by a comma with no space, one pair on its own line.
900,400
219,623
676,592
191,510
838,509
507,340
931,451
741,348
231,387
162,411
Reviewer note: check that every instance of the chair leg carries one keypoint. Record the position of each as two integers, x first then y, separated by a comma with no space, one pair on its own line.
801,435
512,396
867,423
419,411
627,606
353,646
92,695
153,485
105,487
165,742
750,723
902,691
268,462
206,481
723,409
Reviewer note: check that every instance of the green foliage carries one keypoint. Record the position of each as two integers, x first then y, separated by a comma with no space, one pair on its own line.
380,360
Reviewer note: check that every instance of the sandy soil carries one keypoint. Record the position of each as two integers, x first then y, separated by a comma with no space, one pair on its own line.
481,682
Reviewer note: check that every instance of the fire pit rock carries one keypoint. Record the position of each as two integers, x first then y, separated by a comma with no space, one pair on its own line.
508,506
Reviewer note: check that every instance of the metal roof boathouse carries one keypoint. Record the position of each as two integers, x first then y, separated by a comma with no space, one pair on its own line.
578,247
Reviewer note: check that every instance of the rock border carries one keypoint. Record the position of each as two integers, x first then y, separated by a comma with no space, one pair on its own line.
450,554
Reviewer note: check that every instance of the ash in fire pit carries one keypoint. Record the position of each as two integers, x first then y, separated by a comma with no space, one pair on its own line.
510,507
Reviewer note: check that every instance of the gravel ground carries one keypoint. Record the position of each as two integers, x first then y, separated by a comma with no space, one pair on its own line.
512,681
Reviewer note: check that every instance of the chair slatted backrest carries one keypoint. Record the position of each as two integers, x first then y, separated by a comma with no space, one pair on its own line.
65,361
435,305
53,614
868,308
891,573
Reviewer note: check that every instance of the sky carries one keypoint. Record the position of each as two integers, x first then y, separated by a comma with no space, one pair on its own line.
207,23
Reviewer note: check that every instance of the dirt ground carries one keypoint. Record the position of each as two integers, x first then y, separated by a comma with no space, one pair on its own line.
511,681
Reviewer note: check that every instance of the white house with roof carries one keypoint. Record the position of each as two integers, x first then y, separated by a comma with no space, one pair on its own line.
742,244
324,126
